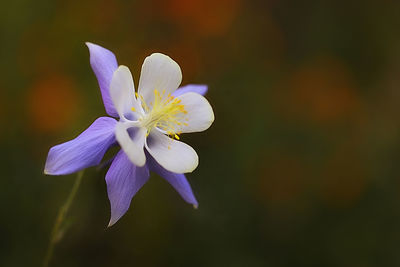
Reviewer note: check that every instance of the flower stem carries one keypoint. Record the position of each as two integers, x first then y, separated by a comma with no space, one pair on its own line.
57,232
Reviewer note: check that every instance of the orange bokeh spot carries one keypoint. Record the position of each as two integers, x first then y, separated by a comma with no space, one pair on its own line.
207,17
322,91
52,104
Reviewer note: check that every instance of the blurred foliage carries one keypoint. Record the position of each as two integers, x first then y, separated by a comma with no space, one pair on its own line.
301,167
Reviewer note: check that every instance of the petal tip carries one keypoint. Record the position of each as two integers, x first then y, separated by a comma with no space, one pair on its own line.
48,170
123,68
90,45
141,164
111,223
158,54
113,220
196,164
161,56
195,206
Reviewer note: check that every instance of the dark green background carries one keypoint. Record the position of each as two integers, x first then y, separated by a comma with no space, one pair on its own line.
300,168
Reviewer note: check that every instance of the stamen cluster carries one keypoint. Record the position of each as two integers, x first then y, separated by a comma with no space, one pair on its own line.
166,113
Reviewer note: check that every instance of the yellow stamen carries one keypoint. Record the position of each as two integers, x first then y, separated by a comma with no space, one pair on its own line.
165,113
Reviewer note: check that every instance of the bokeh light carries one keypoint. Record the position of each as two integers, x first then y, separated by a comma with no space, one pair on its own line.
52,104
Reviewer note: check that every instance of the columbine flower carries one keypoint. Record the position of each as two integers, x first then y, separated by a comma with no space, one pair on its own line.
150,122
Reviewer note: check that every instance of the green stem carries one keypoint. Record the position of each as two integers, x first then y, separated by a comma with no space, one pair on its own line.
57,232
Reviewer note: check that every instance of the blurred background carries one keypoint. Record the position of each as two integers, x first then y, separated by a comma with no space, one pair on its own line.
300,168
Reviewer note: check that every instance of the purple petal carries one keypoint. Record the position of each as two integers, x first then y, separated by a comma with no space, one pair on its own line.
177,180
123,180
195,88
104,64
84,151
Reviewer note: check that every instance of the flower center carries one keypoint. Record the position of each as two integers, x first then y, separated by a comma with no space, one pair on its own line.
166,113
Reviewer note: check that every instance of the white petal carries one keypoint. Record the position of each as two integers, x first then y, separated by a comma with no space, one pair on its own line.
158,72
132,142
122,91
199,115
172,155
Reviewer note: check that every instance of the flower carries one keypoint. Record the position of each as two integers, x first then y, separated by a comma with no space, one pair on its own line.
150,122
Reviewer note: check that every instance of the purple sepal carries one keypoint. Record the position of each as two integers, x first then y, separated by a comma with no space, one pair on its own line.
177,180
84,151
195,88
104,64
124,180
